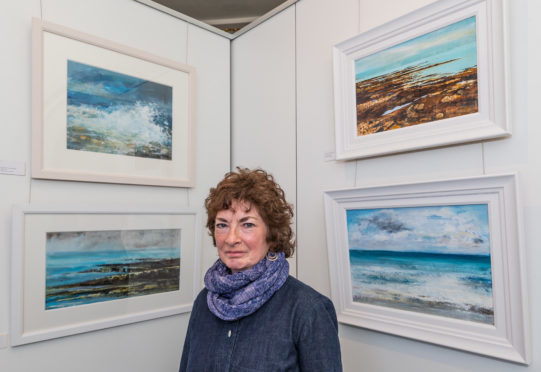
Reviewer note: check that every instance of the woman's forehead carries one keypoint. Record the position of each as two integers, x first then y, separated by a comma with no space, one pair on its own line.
240,207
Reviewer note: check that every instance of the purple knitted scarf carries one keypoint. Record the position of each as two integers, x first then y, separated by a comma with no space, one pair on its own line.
233,296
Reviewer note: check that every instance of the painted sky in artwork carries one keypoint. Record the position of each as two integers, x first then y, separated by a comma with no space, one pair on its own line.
453,229
456,41
114,240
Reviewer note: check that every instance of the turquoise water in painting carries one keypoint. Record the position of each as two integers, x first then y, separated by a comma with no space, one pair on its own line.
137,272
452,285
75,267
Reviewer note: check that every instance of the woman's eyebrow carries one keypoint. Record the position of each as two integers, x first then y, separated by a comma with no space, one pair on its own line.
247,218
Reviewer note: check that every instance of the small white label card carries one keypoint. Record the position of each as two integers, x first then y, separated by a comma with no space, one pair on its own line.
329,156
15,168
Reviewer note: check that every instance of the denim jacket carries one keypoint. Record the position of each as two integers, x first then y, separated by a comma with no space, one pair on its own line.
296,330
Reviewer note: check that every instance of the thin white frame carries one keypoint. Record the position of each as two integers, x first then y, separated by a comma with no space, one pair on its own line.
489,122
47,97
509,337
109,313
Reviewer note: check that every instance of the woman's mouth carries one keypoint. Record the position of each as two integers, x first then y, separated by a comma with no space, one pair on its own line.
234,254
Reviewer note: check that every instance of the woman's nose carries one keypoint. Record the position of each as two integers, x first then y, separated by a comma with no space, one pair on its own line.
232,237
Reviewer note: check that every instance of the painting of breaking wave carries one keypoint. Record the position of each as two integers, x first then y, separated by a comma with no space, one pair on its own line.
433,260
114,113
94,266
428,78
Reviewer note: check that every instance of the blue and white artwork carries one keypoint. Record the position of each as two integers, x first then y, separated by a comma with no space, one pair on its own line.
114,113
84,267
431,259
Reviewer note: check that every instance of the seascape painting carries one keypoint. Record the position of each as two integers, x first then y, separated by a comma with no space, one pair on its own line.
114,113
84,267
432,259
425,79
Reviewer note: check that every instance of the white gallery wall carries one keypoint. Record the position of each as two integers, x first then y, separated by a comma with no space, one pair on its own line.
281,106
262,131
153,345
263,103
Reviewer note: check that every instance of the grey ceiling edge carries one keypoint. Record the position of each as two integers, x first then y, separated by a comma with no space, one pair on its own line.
186,18
264,17
213,29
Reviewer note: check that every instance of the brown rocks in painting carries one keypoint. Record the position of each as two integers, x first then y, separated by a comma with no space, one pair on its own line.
411,97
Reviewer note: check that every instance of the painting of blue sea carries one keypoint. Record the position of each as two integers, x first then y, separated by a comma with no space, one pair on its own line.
425,79
85,267
433,260
114,113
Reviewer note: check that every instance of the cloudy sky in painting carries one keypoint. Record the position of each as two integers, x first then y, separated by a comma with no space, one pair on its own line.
459,229
91,82
453,42
79,241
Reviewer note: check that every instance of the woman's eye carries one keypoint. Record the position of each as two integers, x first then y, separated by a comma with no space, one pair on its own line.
249,225
221,225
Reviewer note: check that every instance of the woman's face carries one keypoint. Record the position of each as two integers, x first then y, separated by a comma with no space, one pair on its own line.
241,236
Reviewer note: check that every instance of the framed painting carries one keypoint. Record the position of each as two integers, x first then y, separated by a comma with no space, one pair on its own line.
433,77
82,269
440,262
105,112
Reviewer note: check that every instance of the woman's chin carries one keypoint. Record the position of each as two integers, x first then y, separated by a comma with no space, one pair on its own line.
236,269
235,266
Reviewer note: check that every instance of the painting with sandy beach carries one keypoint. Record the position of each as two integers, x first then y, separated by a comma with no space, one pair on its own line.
433,260
84,267
425,79
115,113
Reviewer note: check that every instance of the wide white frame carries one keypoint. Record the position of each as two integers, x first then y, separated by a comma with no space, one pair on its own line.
509,337
52,45
489,122
30,322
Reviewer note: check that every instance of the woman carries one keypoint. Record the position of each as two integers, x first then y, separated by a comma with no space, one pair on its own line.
253,316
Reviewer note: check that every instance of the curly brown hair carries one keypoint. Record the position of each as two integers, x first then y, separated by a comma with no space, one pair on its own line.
259,190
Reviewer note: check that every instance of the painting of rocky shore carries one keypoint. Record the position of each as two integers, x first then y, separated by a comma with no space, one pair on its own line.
426,79
85,267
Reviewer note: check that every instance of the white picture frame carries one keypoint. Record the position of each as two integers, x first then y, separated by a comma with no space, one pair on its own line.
399,105
38,265
411,260
106,112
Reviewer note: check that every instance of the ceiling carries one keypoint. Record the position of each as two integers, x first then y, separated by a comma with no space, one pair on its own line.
227,15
